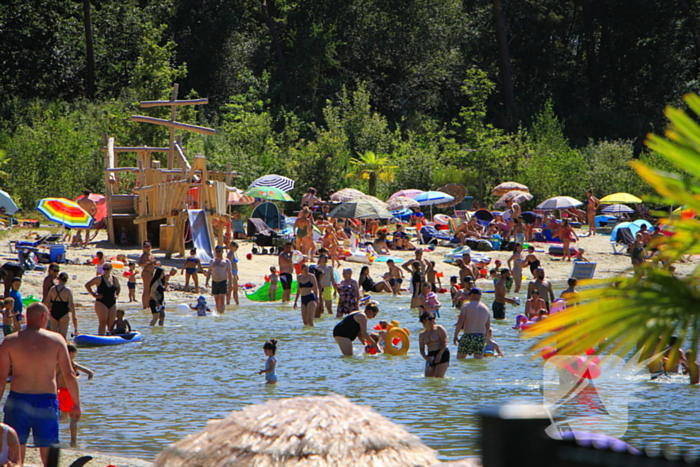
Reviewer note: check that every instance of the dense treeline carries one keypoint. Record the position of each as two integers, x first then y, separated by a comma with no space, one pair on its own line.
556,94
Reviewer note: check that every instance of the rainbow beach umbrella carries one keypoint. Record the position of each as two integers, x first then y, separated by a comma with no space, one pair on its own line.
66,212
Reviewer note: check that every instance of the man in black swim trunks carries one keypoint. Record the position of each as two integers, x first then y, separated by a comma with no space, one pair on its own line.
499,302
286,268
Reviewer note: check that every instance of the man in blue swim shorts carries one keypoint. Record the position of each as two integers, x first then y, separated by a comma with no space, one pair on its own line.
474,320
32,405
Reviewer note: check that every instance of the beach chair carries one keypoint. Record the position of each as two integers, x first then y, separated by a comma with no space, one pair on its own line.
622,241
429,234
583,269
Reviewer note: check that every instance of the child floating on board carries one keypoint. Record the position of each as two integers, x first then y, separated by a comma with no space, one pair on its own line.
65,401
270,349
120,326
201,306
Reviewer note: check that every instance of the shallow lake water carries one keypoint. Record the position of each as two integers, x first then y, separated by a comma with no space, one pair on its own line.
147,395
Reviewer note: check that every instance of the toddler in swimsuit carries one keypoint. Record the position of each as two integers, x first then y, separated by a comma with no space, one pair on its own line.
8,316
120,325
270,349
65,400
201,306
131,281
274,279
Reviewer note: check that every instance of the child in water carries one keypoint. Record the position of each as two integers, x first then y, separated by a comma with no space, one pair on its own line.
270,349
201,306
131,281
274,279
120,326
65,401
8,316
492,348
375,346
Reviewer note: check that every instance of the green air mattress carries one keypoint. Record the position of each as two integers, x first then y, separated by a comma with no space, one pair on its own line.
262,294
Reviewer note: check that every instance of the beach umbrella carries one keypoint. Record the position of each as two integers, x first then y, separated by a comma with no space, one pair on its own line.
410,193
7,203
268,192
559,202
361,209
517,196
505,187
300,432
457,191
620,198
277,181
100,202
401,202
484,215
65,212
431,198
237,198
617,209
347,194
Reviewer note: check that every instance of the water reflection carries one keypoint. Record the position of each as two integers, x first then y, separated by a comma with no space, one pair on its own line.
147,395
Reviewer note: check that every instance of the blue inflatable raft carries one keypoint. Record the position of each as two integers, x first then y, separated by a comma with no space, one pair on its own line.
90,340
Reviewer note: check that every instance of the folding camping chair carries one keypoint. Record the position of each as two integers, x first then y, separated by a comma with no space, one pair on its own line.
622,241
583,269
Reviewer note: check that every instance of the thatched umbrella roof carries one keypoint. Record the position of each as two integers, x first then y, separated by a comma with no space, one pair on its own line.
505,187
458,192
300,432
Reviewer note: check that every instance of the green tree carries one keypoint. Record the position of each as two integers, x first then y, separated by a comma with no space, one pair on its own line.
372,167
645,309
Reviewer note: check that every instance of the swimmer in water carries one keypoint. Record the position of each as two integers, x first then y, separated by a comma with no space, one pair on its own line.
270,349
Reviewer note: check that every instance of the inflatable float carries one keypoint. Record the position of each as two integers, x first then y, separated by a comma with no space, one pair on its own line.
385,258
396,340
91,340
263,294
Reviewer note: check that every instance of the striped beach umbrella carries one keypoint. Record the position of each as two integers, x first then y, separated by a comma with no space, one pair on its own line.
65,212
276,181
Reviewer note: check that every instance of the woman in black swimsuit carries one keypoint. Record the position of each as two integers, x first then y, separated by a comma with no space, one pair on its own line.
352,326
307,285
368,285
59,301
105,298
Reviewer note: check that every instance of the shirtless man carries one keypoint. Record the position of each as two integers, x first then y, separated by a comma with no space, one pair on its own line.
424,263
467,283
499,302
148,265
32,405
475,322
469,268
592,204
50,279
310,199
395,277
468,230
221,275
286,269
90,207
543,286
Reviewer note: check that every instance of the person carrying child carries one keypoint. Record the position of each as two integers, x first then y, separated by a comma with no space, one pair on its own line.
270,349
65,401
120,325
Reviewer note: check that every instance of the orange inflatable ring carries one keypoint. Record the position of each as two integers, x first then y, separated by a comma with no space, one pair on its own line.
396,333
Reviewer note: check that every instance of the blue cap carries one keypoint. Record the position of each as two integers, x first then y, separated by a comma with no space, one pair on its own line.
475,290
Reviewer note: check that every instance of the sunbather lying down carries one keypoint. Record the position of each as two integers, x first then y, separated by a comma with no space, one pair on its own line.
470,229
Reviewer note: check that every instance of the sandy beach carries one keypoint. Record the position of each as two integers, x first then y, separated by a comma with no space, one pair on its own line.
597,248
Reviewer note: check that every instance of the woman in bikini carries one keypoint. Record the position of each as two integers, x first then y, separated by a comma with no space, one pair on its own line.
515,264
353,326
191,269
59,301
567,235
368,285
434,338
348,293
592,204
105,295
307,285
305,233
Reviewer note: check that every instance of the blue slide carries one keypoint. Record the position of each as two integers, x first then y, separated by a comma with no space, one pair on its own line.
199,225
